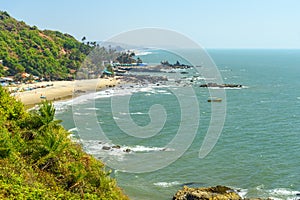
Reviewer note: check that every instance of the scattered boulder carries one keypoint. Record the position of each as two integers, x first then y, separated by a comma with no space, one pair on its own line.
211,193
127,150
106,148
221,85
116,147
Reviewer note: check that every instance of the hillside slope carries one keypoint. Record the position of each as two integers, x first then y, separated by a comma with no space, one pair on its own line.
39,161
46,54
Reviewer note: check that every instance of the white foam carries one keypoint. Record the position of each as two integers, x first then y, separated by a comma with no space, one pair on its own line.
60,106
163,92
95,147
73,129
133,113
142,53
138,113
149,89
283,192
278,193
166,184
241,192
79,113
227,88
139,148
92,108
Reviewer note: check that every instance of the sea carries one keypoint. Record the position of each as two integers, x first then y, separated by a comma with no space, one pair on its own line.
150,134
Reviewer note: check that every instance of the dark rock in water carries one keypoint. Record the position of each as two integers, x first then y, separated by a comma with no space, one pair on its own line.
177,65
106,148
127,150
221,85
216,193
116,147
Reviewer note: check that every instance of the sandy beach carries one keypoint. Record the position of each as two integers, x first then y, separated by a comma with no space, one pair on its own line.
59,90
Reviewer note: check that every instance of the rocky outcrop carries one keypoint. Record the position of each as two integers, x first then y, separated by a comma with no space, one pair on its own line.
221,85
210,193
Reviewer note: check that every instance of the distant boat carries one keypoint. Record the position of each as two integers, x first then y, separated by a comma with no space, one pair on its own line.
214,99
43,97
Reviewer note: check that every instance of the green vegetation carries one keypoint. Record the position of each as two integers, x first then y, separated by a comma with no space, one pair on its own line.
47,54
51,55
39,161
127,58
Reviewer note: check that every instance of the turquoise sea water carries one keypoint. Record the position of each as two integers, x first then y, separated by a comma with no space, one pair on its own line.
257,152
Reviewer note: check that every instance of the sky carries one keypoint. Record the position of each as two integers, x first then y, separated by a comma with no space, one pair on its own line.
210,23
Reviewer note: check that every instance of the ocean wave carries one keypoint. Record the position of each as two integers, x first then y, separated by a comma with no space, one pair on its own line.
75,129
163,92
91,108
133,113
166,184
61,106
149,89
142,53
96,146
139,148
241,192
138,113
274,194
80,113
283,193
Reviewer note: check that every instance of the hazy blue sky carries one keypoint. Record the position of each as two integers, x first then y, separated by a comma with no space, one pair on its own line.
211,23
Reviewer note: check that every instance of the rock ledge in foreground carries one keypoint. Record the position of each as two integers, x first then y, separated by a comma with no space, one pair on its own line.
211,193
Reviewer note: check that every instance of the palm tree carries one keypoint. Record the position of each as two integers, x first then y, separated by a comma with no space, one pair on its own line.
51,138
83,39
47,113
49,146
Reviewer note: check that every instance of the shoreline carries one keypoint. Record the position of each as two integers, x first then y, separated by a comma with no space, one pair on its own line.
60,90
